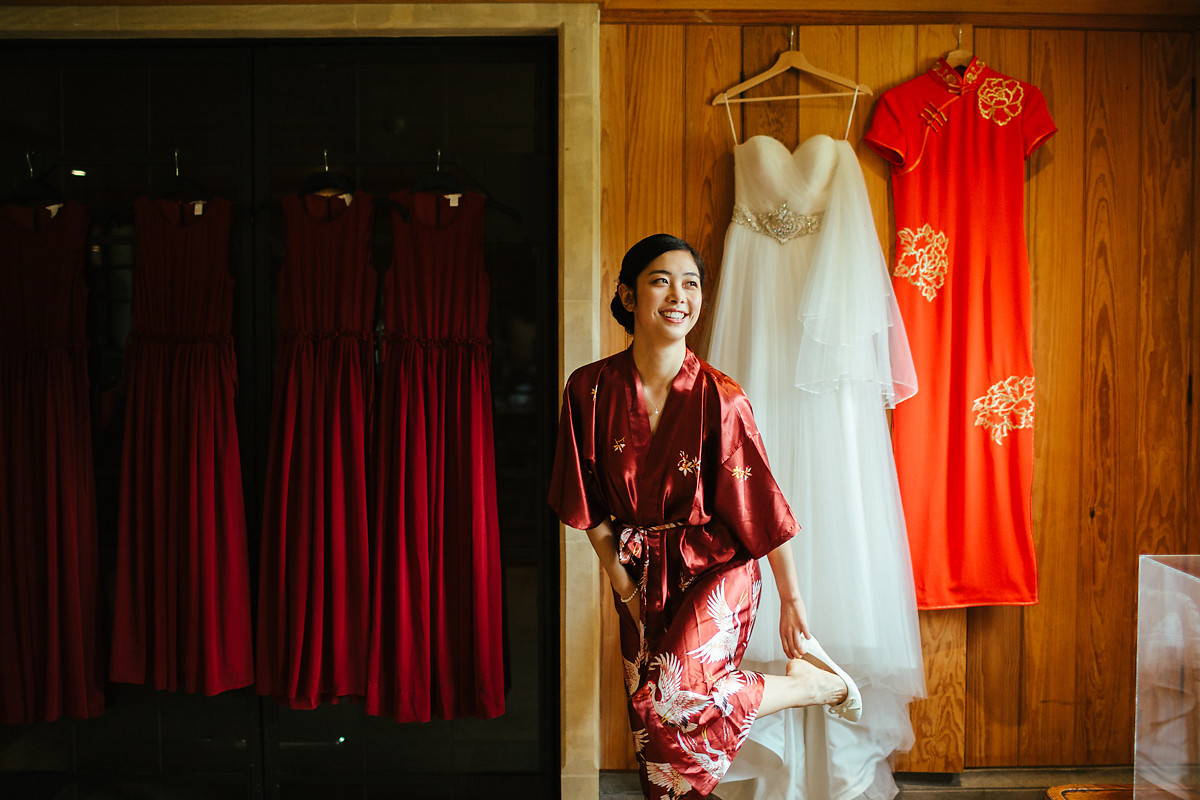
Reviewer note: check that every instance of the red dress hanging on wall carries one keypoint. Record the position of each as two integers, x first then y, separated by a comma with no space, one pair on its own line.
313,578
436,600
48,664
182,619
964,443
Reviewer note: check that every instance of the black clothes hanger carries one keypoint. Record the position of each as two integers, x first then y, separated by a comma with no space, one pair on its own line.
181,188
437,181
441,181
35,190
326,182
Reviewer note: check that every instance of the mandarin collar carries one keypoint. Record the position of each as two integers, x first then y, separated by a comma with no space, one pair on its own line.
948,76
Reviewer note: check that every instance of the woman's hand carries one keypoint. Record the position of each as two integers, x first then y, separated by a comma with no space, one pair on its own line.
793,626
604,541
793,618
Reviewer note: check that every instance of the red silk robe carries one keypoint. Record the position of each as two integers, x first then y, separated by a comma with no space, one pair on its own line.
695,505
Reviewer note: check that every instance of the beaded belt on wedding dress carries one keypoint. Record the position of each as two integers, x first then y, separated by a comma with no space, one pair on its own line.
781,224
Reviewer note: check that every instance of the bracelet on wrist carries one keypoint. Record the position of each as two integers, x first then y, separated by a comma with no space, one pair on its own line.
633,594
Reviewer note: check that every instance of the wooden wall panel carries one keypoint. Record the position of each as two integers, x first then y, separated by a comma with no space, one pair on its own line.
714,58
1111,323
834,48
1049,703
761,46
1166,266
654,141
1112,226
1193,531
887,56
994,633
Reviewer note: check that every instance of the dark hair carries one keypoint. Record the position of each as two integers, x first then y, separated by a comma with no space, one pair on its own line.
637,259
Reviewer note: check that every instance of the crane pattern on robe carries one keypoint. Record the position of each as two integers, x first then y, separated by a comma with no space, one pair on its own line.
722,647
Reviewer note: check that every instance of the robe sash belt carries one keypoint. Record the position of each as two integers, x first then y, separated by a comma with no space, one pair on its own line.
646,547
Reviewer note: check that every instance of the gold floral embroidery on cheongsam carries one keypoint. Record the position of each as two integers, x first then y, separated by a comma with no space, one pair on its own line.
1000,99
688,465
741,473
1007,406
619,445
923,259
594,390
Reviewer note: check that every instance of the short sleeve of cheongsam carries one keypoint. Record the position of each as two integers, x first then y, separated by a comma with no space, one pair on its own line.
1036,124
573,490
886,135
749,503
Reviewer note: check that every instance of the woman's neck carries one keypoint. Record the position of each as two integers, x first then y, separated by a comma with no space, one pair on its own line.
657,363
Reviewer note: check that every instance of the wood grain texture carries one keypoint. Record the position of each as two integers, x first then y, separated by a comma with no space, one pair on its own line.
1193,531
654,138
1112,229
1166,265
616,745
938,720
1049,701
910,16
714,57
887,56
994,634
614,162
833,48
949,7
1111,334
761,47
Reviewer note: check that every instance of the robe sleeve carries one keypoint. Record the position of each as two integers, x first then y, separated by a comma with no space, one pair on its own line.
1036,124
748,501
573,490
886,134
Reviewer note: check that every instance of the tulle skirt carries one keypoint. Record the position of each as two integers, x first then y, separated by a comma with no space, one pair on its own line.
819,388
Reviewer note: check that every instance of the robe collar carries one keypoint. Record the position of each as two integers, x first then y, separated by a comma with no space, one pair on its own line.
656,460
949,78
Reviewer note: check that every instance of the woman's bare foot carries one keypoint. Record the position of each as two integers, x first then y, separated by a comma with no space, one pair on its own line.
805,684
826,687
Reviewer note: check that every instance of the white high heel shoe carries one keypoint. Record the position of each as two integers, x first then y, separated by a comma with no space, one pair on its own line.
849,709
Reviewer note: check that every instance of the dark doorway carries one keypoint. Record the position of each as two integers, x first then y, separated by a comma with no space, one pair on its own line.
103,124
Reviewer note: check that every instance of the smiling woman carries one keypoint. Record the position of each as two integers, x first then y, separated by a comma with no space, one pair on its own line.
659,460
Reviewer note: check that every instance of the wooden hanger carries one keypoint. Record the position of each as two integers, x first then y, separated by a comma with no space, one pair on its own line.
790,59
958,57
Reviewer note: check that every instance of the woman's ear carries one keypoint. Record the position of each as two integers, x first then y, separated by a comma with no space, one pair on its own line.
627,296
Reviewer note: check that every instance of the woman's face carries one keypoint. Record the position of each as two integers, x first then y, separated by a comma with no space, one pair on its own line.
666,301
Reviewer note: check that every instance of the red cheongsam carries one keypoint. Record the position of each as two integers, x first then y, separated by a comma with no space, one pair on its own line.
695,505
182,618
314,580
964,443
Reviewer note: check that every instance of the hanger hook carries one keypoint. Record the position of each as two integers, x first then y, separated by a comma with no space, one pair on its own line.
176,162
960,37
326,157
792,38
29,161
437,165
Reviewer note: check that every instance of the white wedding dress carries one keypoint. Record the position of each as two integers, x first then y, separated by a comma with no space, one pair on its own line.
806,322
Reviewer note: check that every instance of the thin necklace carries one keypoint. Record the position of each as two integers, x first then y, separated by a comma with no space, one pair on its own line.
650,400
